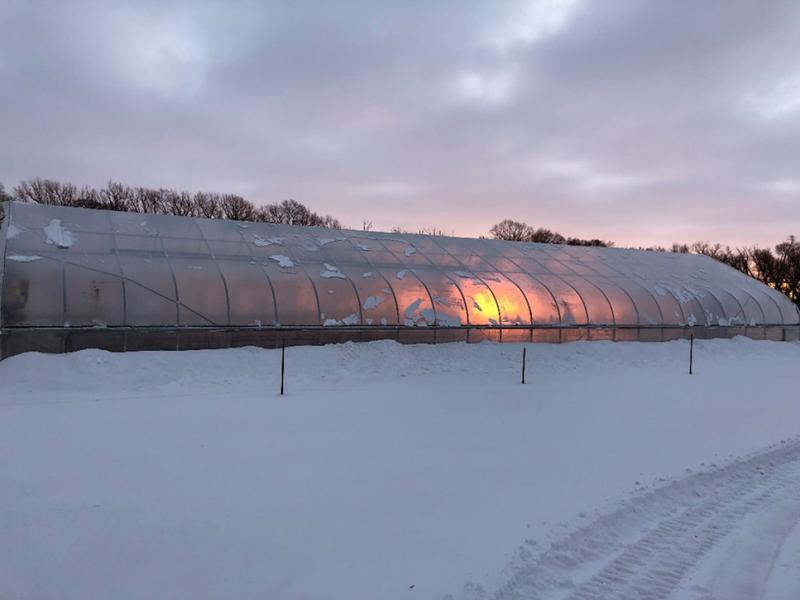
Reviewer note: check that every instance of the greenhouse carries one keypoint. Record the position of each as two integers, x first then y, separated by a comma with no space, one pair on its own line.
78,278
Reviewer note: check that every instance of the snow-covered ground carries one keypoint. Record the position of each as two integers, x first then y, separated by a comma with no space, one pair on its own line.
391,471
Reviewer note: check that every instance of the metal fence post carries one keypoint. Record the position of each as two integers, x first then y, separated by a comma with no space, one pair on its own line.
524,350
283,362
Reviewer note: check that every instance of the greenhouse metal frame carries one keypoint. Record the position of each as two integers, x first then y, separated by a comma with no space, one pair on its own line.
78,278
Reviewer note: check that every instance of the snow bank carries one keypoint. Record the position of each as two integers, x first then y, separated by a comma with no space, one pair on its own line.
185,475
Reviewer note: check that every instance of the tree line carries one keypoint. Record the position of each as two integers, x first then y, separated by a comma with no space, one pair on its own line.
119,197
778,267
517,231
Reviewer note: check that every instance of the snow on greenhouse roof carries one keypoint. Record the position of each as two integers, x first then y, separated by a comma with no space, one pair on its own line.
78,267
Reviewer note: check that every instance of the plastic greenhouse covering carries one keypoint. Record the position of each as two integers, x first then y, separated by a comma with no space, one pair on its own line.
74,278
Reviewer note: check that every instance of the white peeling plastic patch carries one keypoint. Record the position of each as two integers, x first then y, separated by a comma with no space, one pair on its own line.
350,319
367,274
329,240
384,321
412,308
446,301
464,274
372,302
330,271
401,274
331,323
58,236
283,261
23,258
409,251
262,242
363,247
449,321
428,315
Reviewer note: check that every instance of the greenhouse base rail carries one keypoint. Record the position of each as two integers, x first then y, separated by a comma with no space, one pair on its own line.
16,340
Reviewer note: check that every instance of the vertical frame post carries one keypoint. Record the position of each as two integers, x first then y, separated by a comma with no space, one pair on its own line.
691,352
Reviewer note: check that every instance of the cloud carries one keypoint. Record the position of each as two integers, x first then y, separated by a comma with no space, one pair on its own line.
786,185
529,21
491,89
777,100
642,122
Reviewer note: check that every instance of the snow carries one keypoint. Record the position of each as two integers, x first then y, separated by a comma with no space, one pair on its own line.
283,261
782,582
186,475
23,257
57,236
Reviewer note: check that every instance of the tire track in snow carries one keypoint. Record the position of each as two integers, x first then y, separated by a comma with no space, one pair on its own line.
649,545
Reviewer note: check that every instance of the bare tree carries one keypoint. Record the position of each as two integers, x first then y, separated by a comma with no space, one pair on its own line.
292,212
432,231
327,221
178,203
116,196
237,208
512,231
4,197
148,201
45,191
546,236
207,205
516,231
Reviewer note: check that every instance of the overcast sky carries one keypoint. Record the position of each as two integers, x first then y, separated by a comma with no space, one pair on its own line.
636,121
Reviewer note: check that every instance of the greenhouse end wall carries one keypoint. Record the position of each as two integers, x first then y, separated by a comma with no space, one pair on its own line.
77,278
